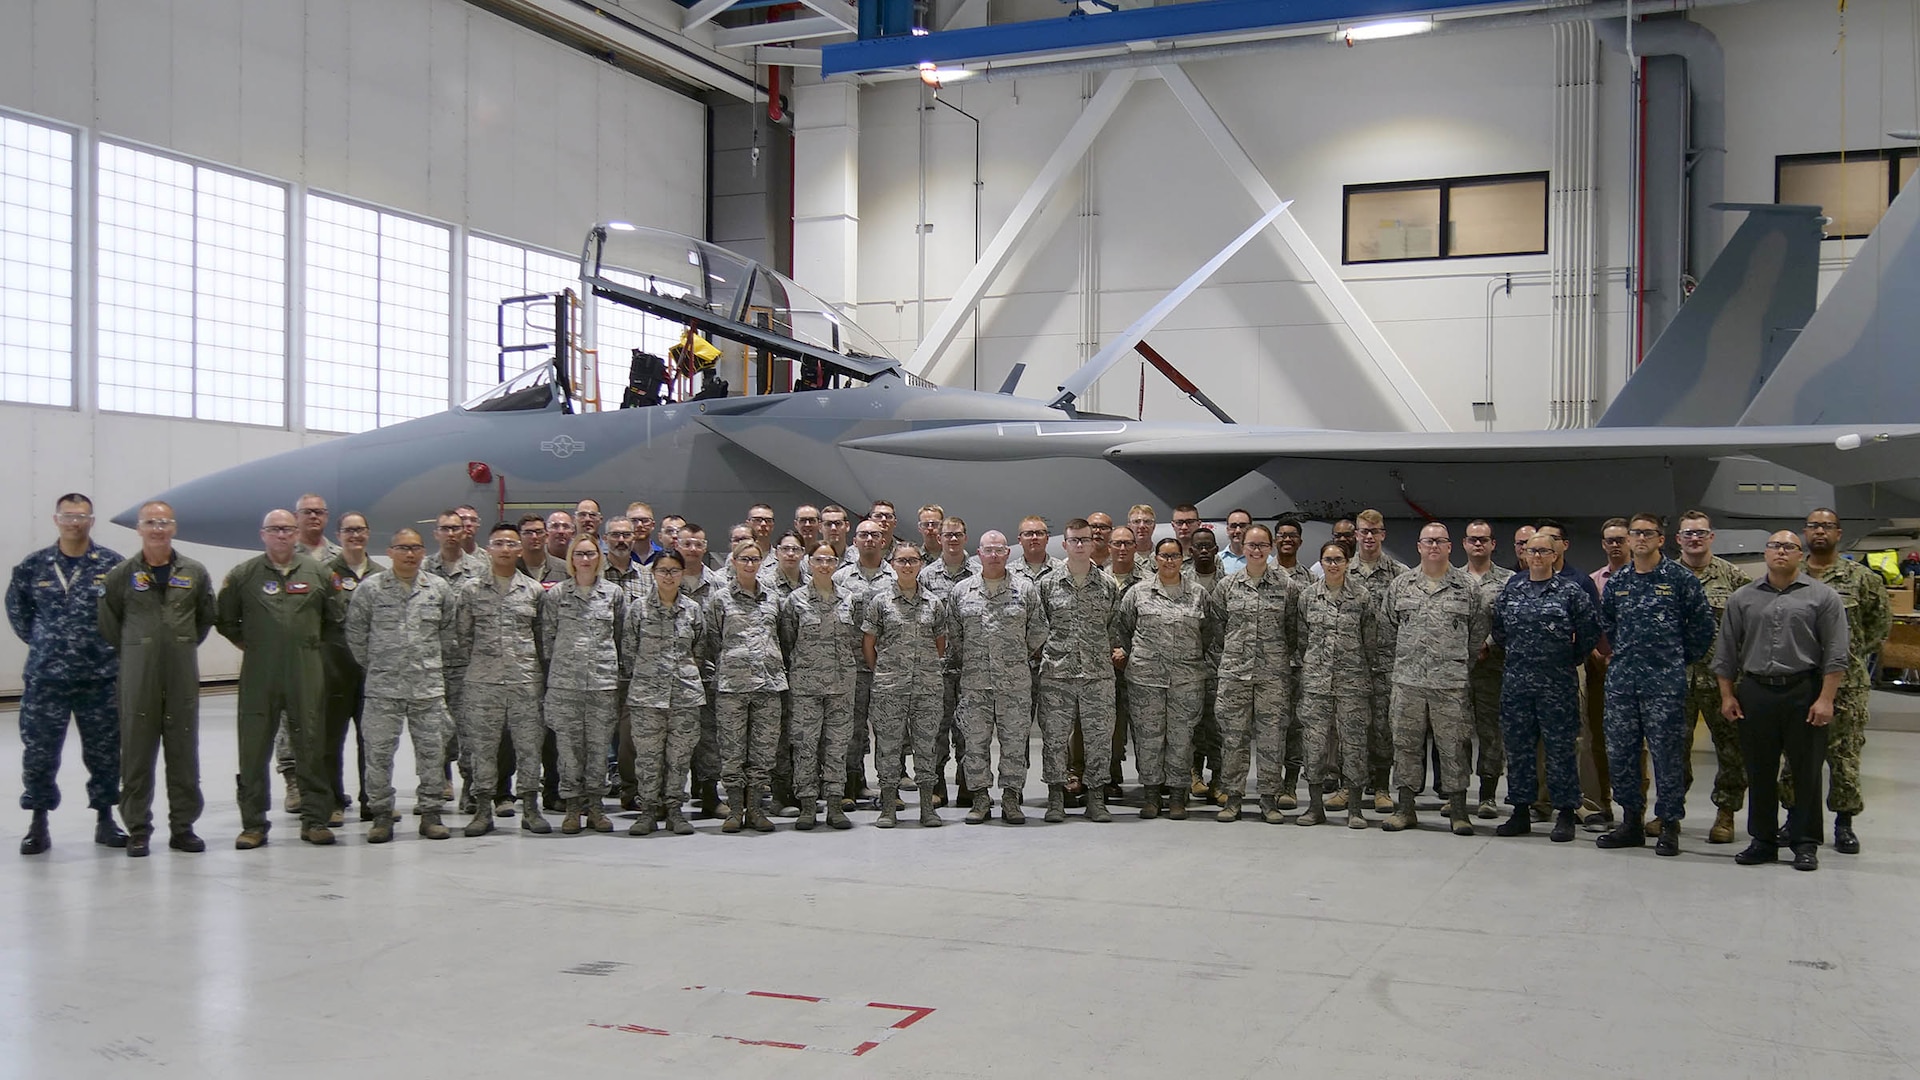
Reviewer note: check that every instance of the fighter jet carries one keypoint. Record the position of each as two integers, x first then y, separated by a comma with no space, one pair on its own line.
1722,414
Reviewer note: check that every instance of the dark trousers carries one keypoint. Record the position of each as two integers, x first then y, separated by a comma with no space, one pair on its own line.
344,706
1776,723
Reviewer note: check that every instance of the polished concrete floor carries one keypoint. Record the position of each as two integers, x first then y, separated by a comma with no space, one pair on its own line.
1150,948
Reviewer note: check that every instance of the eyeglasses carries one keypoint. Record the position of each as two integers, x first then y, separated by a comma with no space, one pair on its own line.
534,532
1123,544
503,545
640,520
866,536
960,534
1370,532
1079,539
997,549
1782,545
1033,534
73,519
907,560
1434,541
408,549
759,520
666,571
1694,534
1168,556
881,515
790,549
279,530
1540,551
320,511
156,523
586,554
806,521
449,528
345,530
1177,522
1259,545
1823,526
822,559
693,545
1643,534
1333,560
744,558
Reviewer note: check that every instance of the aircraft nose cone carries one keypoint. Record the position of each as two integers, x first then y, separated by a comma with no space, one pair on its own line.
225,509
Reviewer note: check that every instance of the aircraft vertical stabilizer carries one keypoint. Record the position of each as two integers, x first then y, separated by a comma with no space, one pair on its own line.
1729,337
1854,362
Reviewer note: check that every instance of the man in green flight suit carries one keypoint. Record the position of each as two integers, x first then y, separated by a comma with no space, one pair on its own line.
157,608
273,608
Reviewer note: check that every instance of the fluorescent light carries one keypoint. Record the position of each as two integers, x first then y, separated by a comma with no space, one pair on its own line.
1375,31
620,226
937,77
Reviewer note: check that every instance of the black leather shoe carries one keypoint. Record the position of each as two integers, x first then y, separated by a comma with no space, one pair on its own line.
1844,841
187,841
1626,834
1669,842
37,840
1563,824
1806,858
1758,854
1520,824
137,847
107,833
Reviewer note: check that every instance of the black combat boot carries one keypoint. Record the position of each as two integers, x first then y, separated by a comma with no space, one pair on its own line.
36,841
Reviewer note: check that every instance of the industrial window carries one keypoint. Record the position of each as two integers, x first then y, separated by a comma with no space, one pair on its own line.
496,270
377,316
192,289
1483,215
36,263
1854,189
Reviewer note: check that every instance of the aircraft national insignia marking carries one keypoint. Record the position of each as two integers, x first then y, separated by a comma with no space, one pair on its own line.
563,446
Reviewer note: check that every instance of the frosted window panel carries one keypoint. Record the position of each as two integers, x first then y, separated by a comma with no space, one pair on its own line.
1507,217
1400,223
36,257
1852,193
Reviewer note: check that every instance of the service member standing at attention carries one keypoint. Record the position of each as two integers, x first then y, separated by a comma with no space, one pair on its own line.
1784,639
1484,680
1657,621
1286,560
1869,618
997,628
864,568
53,603
496,631
1234,558
953,566
1167,640
274,608
906,630
1076,668
156,609
1255,609
1336,637
742,635
311,516
662,634
1439,622
1126,570
400,626
1371,568
1546,625
820,636
452,563
1719,578
346,682
580,625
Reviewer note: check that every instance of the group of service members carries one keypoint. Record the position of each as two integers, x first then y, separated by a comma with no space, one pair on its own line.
572,658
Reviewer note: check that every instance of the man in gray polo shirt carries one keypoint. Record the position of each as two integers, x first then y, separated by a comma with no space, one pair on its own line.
1784,640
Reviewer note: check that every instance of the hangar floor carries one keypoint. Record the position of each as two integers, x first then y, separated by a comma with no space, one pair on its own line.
1138,949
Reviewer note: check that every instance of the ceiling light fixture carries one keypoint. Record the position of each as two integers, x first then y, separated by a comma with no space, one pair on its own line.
1377,31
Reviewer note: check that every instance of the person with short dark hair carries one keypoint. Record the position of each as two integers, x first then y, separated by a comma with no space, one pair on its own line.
1782,659
496,630
906,629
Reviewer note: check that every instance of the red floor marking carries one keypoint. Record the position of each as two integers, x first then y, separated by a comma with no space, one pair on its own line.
916,1013
784,997
919,1012
864,1047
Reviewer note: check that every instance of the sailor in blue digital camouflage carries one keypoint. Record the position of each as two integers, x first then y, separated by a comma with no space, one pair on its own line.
906,630
820,636
53,604
1256,609
1166,638
662,637
742,635
1719,579
1439,622
996,629
1547,625
1079,603
580,624
1483,680
497,635
1657,620
1335,637
400,626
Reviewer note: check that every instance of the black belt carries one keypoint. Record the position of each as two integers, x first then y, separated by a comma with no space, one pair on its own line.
1782,680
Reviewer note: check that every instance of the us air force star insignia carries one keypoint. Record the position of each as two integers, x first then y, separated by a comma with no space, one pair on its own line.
563,446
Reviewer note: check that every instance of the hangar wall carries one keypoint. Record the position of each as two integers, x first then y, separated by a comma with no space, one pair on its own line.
1313,119
428,107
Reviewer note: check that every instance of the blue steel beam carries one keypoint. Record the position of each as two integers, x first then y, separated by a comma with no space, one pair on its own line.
1071,32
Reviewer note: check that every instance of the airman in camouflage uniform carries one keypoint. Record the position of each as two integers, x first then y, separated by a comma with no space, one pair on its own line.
1719,578
1076,671
858,580
456,566
580,633
1869,619
53,604
1484,679
400,632
1547,626
1286,547
949,568
820,634
665,693
1373,570
1439,622
1169,639
906,630
997,627
1656,617
1335,637
497,634
1256,617
741,634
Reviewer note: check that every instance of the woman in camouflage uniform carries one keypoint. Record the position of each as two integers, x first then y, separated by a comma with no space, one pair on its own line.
580,622
820,635
1337,647
1167,636
659,639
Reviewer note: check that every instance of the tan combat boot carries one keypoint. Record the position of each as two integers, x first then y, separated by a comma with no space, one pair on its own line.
1722,831
430,826
1403,816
